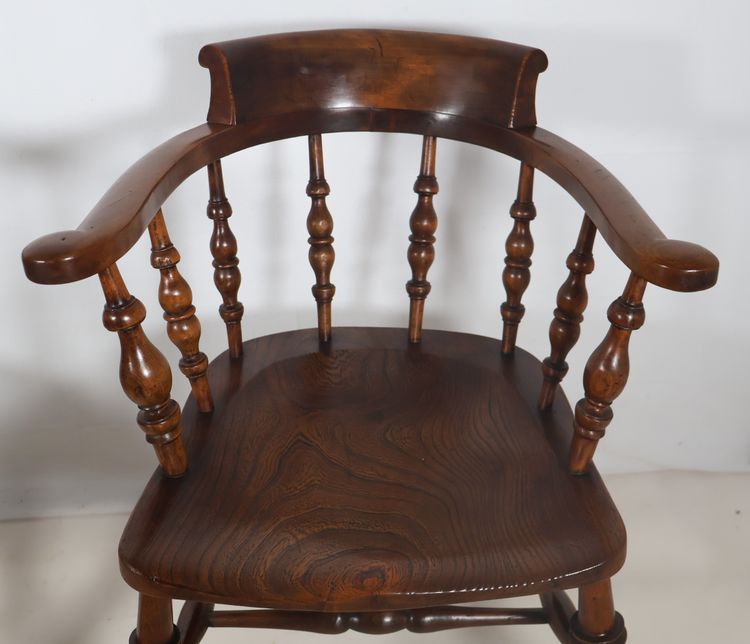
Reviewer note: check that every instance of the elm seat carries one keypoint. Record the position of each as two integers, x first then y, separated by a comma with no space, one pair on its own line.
351,479
361,478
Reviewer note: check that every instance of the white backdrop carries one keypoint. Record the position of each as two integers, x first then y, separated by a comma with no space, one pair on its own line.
657,91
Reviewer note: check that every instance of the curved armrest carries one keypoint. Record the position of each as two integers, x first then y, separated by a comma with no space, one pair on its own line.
119,218
629,231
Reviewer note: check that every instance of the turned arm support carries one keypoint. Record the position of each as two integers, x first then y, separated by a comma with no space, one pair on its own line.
619,218
145,375
121,216
606,374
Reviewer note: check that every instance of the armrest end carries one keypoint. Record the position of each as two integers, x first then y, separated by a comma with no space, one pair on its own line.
52,259
685,266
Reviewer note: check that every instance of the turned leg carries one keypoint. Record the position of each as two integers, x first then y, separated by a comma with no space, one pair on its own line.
596,621
193,621
559,609
154,622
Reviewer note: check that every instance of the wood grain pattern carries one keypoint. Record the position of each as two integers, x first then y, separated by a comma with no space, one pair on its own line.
320,228
364,481
224,250
572,298
519,246
176,298
423,224
372,474
144,373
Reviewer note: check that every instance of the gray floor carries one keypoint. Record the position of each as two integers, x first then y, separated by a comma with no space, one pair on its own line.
687,578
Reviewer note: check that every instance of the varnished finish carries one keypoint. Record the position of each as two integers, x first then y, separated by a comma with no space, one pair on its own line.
424,620
176,299
482,79
402,474
519,246
596,620
224,250
320,229
154,622
336,101
144,373
376,475
565,328
121,216
606,374
423,224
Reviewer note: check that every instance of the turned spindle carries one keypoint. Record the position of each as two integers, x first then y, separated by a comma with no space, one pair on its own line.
224,250
606,374
144,373
423,224
176,298
320,227
519,246
565,328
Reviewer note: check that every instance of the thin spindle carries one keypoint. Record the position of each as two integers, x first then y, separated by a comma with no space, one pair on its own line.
176,298
224,250
423,224
572,298
320,228
518,247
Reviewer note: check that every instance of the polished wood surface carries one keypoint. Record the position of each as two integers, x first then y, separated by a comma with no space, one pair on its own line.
423,224
372,473
596,620
572,298
121,216
420,620
176,298
479,78
224,250
277,106
606,374
144,373
363,478
519,246
320,229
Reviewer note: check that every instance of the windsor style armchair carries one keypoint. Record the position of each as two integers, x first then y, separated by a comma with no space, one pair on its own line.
366,478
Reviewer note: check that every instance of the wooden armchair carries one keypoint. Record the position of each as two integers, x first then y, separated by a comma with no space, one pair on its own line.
366,478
